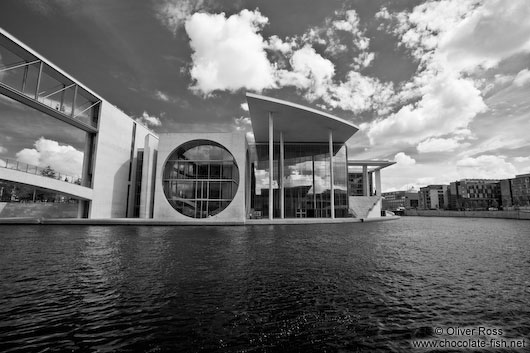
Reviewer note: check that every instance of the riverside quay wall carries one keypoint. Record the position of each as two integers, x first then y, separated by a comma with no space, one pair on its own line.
520,214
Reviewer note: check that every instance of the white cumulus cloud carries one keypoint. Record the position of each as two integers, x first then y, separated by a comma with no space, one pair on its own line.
477,41
148,120
310,71
161,96
452,40
174,13
229,53
485,166
438,145
243,123
522,78
62,158
521,159
448,104
403,159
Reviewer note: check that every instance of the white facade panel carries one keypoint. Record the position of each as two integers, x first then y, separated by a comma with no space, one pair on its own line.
235,143
113,174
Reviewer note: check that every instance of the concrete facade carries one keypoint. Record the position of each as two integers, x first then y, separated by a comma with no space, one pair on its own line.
112,137
400,199
474,194
148,175
40,181
433,197
235,143
114,164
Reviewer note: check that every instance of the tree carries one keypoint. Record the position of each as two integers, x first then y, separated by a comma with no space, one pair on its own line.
48,172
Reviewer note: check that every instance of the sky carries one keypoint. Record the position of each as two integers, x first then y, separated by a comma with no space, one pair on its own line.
440,87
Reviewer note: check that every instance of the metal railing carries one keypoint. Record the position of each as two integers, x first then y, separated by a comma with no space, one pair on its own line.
45,172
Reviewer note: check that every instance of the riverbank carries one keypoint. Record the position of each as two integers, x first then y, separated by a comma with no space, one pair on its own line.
153,222
471,214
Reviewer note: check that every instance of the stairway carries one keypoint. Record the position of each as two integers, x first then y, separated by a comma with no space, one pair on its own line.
362,205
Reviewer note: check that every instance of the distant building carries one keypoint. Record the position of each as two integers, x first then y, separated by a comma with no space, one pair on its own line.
433,197
506,193
515,192
400,199
521,190
475,194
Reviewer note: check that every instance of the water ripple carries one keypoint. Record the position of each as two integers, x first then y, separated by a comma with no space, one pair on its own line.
370,287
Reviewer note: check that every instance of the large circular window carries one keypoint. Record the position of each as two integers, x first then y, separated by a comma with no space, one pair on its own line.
200,178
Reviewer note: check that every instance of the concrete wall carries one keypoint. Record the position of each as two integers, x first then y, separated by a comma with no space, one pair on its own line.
38,210
46,183
433,194
235,143
148,174
375,212
112,163
476,214
365,206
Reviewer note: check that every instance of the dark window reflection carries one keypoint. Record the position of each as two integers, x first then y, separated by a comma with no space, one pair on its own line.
200,178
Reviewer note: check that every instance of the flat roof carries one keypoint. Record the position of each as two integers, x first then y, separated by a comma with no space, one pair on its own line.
371,164
297,122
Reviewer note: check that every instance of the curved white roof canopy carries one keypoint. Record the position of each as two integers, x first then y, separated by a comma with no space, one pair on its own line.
298,123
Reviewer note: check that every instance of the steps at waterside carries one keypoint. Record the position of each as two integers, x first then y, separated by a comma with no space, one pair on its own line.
362,205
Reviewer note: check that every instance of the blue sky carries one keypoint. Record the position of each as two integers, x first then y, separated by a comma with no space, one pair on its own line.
441,87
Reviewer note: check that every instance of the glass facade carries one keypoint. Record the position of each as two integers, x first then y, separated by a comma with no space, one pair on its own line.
340,182
200,178
305,180
35,79
49,128
21,200
35,142
48,122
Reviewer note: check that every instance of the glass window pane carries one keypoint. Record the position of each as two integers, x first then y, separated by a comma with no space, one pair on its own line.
226,190
227,171
215,190
215,171
185,189
193,175
202,171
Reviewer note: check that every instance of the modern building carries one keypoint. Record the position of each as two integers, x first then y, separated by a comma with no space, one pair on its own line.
395,200
433,197
475,194
42,106
515,192
113,167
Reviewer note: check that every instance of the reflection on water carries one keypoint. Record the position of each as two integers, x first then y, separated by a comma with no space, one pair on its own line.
345,287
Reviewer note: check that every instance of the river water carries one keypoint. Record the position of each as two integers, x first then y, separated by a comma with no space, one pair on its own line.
326,288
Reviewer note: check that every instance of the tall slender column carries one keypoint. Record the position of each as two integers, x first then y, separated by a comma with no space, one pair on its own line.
74,101
366,184
271,169
378,181
39,75
280,178
316,214
332,191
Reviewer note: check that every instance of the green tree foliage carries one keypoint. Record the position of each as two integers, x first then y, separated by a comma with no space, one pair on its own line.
48,172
